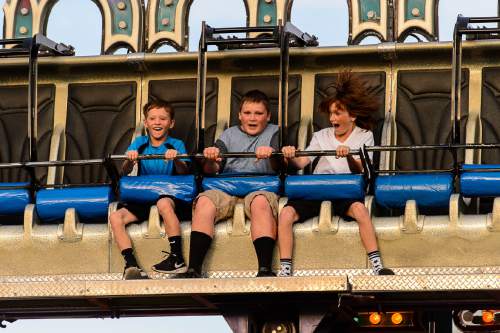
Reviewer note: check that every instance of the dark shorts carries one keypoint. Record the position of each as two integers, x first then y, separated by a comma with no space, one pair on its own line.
141,211
307,209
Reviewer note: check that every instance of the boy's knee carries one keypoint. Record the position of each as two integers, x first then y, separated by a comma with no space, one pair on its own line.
116,219
287,216
165,205
359,210
260,203
204,203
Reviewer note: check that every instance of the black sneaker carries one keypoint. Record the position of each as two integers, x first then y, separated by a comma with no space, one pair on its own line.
134,273
170,265
385,271
191,273
265,272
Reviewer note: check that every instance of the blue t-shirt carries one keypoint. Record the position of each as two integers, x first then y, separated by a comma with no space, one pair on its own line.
156,167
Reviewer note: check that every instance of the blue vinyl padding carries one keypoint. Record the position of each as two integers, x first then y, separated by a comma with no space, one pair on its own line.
90,203
148,189
480,184
325,187
240,186
12,200
428,190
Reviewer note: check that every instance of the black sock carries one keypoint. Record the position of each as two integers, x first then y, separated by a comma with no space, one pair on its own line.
200,243
176,246
264,247
128,255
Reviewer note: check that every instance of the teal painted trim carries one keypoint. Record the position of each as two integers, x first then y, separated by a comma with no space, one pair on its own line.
410,4
166,12
23,21
265,9
367,6
118,15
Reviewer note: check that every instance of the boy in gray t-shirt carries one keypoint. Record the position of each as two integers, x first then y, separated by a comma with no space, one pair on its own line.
255,135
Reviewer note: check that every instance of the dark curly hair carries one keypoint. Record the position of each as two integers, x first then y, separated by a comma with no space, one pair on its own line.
352,92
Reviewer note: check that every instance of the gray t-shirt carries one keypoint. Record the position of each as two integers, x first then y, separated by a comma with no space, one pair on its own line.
235,140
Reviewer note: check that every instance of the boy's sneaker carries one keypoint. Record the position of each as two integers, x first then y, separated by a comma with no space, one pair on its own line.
285,271
189,274
170,265
385,271
265,272
134,273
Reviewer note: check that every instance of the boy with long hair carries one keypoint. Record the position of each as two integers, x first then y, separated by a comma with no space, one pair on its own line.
350,111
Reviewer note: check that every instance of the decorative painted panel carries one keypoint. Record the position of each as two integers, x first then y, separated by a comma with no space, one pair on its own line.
416,16
122,24
267,12
167,23
24,18
368,18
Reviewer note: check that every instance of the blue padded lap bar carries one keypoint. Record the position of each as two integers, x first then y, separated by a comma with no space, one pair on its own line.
428,190
90,203
148,189
240,186
325,187
13,200
480,184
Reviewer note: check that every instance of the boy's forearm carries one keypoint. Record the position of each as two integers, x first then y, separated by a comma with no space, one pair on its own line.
127,167
181,167
354,165
210,167
300,162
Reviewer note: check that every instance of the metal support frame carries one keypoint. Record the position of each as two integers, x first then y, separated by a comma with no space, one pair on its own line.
33,47
275,36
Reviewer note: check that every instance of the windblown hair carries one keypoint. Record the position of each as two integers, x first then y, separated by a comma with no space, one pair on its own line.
353,94
158,104
255,96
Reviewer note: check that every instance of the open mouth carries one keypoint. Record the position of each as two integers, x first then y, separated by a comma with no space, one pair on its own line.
336,125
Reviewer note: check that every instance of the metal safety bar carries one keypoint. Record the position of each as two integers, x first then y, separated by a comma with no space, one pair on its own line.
298,153
33,47
280,36
462,28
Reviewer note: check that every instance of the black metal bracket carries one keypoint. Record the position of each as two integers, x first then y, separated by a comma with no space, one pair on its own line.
33,47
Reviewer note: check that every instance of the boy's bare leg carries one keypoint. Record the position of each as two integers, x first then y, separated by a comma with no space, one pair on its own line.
359,212
263,223
118,220
263,230
174,261
204,216
287,218
202,233
166,208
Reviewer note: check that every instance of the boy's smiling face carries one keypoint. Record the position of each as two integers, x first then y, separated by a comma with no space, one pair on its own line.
158,122
340,119
254,118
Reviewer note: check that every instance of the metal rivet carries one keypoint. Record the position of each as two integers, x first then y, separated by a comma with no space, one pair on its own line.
267,18
121,5
169,3
23,30
415,12
122,24
370,14
269,1
24,11
165,21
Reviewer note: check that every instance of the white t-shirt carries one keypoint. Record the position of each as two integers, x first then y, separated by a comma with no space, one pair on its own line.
326,140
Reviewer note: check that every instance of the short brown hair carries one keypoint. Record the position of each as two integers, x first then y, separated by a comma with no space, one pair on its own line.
158,104
255,96
352,92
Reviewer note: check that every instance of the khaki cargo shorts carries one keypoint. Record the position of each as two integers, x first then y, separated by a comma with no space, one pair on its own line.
224,203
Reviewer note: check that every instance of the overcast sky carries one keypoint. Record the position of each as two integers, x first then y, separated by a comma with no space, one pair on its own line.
78,22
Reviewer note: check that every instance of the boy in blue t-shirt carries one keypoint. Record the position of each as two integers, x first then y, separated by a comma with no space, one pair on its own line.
158,120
